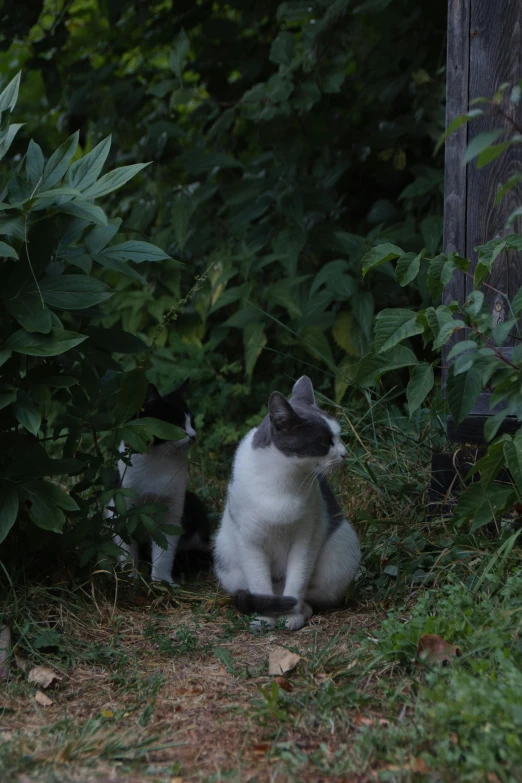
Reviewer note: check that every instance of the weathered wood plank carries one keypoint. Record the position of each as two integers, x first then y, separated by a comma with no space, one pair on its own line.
484,51
495,57
455,180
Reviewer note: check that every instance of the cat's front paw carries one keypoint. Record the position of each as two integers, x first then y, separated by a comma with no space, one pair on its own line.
295,621
262,623
168,581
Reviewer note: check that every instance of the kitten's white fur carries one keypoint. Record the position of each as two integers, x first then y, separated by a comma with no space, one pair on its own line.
161,476
273,538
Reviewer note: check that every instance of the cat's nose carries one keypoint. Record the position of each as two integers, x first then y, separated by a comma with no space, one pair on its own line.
343,453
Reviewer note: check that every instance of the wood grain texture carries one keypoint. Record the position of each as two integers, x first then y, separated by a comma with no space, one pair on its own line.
484,51
455,180
495,57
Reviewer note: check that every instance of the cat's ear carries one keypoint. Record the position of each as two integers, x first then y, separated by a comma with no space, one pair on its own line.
282,415
303,390
183,388
152,394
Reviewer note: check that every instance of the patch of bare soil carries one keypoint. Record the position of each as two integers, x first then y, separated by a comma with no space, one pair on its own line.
179,693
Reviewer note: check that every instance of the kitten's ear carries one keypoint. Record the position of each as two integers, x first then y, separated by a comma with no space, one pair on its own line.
152,394
282,415
303,390
183,388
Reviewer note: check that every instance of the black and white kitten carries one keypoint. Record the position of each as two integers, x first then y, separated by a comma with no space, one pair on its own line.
161,476
284,546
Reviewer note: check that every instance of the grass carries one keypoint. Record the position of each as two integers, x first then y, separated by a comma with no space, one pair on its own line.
170,687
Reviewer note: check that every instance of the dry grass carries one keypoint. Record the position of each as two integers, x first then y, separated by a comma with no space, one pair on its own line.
145,694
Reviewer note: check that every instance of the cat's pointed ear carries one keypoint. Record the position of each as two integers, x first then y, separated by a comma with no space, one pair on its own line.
152,394
303,390
183,388
282,415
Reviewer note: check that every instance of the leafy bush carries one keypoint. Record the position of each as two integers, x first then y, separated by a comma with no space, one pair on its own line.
476,359
288,138
66,401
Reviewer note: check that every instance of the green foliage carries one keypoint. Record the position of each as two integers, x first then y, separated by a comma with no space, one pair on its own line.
287,140
66,399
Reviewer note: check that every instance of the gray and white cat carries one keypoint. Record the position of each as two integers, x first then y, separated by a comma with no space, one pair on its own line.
283,544
161,476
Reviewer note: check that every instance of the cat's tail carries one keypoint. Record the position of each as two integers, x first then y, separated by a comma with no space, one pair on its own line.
248,603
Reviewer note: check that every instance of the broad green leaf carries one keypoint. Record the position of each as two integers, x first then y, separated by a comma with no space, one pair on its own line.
59,161
118,266
493,424
461,347
421,383
408,267
9,504
182,212
34,163
462,393
490,153
481,506
85,171
456,123
53,344
341,331
373,366
254,340
179,54
332,274
446,331
7,397
516,304
7,140
84,209
380,255
27,413
474,302
47,501
136,251
30,312
6,251
394,325
282,49
501,330
513,456
9,94
491,464
133,387
480,142
74,292
100,236
157,428
113,180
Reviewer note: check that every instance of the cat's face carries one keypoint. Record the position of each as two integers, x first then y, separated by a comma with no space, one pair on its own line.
301,430
171,408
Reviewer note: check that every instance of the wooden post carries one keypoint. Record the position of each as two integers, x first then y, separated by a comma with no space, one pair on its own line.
484,50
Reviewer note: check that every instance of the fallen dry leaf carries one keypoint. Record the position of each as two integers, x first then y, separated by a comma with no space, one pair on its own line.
43,676
176,780
361,720
281,661
261,747
20,661
41,699
5,651
284,684
107,713
434,650
493,777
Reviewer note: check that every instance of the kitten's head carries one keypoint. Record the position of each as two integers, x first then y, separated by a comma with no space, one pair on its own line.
171,408
298,428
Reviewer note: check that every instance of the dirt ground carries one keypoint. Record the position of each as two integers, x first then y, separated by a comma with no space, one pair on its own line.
154,691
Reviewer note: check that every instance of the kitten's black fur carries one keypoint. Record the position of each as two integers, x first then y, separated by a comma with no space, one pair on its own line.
171,408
